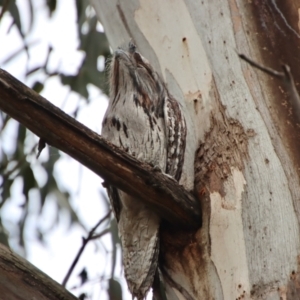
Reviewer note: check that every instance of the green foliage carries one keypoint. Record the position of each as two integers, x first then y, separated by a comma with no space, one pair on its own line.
94,44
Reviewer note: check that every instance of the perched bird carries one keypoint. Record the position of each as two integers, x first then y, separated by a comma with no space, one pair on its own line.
143,119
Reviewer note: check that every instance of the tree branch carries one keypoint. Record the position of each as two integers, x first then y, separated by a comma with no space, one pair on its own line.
161,193
20,280
84,243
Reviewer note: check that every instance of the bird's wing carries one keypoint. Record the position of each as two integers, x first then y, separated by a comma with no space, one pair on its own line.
175,137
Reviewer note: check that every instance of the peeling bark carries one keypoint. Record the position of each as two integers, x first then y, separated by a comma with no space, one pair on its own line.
225,146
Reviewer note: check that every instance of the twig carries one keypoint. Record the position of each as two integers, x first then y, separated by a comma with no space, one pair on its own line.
254,64
84,243
288,79
4,8
99,235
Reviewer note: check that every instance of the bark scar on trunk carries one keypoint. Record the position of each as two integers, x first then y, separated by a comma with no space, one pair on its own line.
225,147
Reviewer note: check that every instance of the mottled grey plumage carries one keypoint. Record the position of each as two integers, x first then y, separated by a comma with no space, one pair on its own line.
146,121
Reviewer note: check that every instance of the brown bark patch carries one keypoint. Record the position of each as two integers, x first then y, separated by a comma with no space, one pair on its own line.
293,287
181,252
225,146
174,241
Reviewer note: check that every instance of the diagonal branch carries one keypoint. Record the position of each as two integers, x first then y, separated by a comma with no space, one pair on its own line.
56,128
19,279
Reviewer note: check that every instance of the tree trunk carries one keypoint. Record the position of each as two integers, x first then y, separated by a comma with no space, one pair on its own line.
243,131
